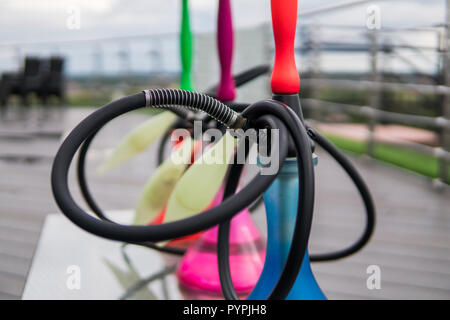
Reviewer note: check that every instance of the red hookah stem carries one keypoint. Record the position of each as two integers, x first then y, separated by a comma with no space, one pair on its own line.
227,89
285,78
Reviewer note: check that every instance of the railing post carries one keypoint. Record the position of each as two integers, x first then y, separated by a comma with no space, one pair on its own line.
124,58
314,64
18,56
156,56
374,95
97,59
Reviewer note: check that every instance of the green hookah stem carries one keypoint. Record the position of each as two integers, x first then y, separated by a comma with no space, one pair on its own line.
186,49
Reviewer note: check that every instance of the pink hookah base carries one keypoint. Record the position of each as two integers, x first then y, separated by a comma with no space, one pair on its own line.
198,270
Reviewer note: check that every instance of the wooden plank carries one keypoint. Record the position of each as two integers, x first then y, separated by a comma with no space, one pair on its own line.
351,285
21,219
14,265
18,235
11,284
389,275
7,296
401,249
17,249
373,255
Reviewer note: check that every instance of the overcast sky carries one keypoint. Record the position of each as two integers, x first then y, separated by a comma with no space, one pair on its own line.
31,21
44,20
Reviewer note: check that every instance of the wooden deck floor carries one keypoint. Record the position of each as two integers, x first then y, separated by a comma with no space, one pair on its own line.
411,244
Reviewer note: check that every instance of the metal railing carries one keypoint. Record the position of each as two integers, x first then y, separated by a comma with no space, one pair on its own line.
313,46
370,113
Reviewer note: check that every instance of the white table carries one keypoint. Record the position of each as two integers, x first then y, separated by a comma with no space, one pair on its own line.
66,254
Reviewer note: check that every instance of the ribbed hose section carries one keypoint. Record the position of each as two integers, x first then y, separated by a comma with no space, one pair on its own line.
166,98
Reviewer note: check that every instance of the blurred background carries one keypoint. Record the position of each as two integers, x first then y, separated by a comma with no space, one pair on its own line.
375,80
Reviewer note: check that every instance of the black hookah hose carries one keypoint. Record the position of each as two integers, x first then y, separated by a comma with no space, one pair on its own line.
216,215
228,289
111,111
136,234
364,192
93,205
184,118
314,135
183,121
361,186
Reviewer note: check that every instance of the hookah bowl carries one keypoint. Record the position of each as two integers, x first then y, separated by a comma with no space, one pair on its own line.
197,271
280,200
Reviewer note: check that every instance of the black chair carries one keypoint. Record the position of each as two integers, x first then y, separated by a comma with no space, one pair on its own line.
22,83
53,81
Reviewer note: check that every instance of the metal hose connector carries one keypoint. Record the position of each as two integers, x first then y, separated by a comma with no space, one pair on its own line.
167,98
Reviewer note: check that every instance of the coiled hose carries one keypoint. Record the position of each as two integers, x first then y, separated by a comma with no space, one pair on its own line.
272,115
158,98
93,205
314,135
216,215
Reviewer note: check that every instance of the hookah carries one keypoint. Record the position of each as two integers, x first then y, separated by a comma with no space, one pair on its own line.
288,194
198,270
280,198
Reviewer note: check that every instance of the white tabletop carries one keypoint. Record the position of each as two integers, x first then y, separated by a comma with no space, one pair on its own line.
70,263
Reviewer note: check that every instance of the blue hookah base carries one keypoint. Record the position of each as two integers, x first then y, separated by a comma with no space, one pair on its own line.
280,200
